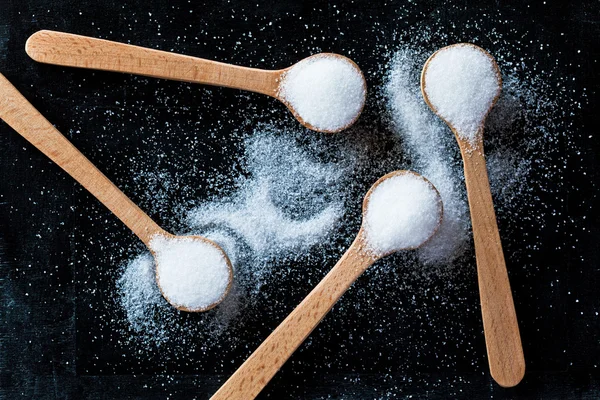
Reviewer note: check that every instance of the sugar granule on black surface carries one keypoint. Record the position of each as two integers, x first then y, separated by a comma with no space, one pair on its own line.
411,325
288,199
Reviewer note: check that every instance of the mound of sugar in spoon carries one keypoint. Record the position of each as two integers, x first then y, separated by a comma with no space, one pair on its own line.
402,213
461,83
326,91
193,273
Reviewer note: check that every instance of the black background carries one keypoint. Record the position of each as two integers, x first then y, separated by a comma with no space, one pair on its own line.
57,242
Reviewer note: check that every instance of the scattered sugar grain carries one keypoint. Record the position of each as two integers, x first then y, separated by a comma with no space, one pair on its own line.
327,92
461,83
403,212
280,206
192,273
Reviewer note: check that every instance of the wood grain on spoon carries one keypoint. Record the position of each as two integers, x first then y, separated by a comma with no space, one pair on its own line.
503,340
71,50
22,116
501,328
66,49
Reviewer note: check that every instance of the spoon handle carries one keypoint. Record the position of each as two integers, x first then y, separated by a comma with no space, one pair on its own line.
17,112
503,341
256,372
70,50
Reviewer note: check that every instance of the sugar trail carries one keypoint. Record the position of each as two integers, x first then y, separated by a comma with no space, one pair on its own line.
433,150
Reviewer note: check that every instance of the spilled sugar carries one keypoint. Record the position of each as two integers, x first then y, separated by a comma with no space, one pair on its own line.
262,224
461,83
139,292
403,211
279,208
193,274
291,203
326,91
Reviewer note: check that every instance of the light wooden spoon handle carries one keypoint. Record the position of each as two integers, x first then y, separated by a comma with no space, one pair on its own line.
17,112
256,372
503,341
66,49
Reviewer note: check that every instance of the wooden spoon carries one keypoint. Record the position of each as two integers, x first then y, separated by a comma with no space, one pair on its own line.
250,378
503,341
17,112
66,49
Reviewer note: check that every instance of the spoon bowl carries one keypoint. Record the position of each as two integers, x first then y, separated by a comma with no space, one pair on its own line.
225,269
66,49
472,76
17,112
280,93
460,136
256,372
386,178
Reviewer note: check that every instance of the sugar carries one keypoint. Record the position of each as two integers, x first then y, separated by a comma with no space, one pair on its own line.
279,207
192,273
327,92
461,83
262,224
402,212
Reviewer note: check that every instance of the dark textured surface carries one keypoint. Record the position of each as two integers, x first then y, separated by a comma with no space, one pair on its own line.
56,242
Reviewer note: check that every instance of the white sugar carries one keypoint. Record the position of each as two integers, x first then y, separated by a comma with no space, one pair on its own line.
279,207
192,273
327,92
402,212
262,224
461,83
